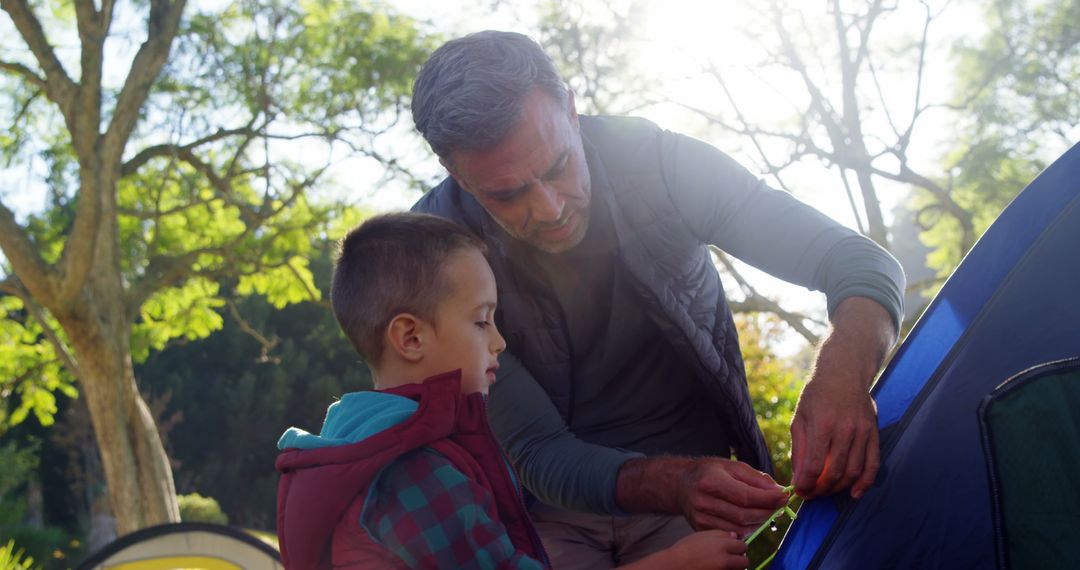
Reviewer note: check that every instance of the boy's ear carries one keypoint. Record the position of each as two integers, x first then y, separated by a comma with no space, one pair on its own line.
405,336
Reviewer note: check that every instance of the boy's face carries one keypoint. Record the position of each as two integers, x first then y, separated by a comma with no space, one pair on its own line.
464,334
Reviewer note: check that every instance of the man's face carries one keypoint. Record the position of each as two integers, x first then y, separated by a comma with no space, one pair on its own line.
463,332
535,183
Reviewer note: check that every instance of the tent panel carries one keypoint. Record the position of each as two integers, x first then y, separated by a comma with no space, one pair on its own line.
975,280
943,326
932,509
175,562
208,546
928,396
1031,434
815,518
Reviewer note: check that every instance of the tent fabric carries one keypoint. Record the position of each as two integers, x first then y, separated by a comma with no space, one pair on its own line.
1031,434
185,545
1010,305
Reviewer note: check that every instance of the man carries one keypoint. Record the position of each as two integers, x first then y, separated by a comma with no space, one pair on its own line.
623,391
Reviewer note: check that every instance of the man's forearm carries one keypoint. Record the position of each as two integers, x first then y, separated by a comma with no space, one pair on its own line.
556,466
651,484
834,439
711,492
862,334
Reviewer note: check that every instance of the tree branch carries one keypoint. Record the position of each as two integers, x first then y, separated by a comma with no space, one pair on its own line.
313,295
142,215
221,185
962,216
265,344
87,123
96,176
757,303
15,287
174,150
851,200
153,53
25,259
817,99
163,271
775,171
59,87
26,73
77,258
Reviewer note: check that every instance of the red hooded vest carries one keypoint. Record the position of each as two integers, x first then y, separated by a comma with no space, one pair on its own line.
322,491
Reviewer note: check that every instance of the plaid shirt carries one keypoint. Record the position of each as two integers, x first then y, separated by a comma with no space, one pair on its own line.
430,515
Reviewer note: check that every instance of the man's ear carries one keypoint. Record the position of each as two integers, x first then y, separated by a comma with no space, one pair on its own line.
449,166
405,336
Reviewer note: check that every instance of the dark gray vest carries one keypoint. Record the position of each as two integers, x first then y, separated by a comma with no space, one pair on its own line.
671,270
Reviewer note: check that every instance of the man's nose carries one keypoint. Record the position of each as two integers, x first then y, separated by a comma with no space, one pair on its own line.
547,205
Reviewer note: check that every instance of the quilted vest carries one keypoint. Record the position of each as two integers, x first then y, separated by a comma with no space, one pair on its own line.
671,270
322,491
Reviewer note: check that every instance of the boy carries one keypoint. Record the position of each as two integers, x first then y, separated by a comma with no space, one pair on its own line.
409,475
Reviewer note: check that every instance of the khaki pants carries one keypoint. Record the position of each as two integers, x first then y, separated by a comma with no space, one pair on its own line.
586,541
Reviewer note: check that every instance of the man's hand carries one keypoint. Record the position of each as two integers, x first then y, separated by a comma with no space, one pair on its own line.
834,433
728,495
712,493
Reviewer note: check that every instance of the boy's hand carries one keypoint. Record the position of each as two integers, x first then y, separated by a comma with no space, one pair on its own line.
711,549
706,550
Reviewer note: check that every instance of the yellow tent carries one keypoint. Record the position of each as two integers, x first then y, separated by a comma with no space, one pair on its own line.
185,545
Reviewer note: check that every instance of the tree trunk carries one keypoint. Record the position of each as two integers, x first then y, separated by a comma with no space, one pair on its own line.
137,470
141,490
875,222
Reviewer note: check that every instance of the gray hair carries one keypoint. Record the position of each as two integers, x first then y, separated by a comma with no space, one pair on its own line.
469,93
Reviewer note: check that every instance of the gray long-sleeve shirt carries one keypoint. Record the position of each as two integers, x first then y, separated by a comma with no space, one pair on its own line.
633,396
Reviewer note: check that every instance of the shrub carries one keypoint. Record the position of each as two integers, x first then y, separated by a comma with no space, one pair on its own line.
12,559
197,508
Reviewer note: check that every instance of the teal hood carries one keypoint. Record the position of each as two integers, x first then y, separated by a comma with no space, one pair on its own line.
355,417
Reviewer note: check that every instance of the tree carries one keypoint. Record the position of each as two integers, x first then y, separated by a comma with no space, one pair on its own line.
194,168
843,116
233,399
593,44
864,108
1024,72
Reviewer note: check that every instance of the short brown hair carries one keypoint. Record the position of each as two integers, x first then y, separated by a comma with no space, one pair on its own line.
393,264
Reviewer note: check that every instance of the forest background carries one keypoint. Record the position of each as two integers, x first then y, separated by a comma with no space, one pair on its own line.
175,174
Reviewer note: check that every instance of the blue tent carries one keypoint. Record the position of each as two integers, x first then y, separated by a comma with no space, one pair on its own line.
980,440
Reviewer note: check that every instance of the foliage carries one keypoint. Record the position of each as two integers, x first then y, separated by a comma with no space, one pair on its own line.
30,372
20,464
228,384
51,547
174,180
12,558
321,72
1019,82
774,387
197,508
